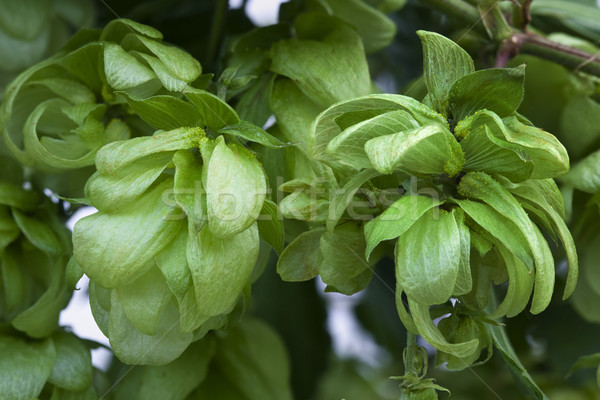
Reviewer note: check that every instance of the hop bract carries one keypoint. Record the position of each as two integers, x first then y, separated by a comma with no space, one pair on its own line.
461,182
174,242
58,113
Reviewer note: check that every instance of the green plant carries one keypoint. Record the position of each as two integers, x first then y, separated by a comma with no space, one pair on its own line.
227,174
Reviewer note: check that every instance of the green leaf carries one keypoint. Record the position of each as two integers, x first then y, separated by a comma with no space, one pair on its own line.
444,62
187,189
116,155
484,151
270,225
41,318
254,360
305,205
114,192
549,156
299,261
397,219
590,361
122,70
70,90
38,232
100,304
73,367
294,112
168,79
309,63
173,381
164,112
114,249
144,299
544,276
344,197
502,344
252,133
179,62
457,328
116,29
374,27
520,286
216,114
497,90
433,336
349,146
235,189
337,118
585,175
499,227
342,264
464,280
543,196
428,256
253,105
70,152
430,149
24,367
84,63
15,196
172,262
221,268
481,186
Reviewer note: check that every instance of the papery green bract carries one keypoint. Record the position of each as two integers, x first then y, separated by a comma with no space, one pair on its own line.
235,189
308,62
462,328
396,219
444,62
428,257
173,245
430,149
498,90
60,112
461,181
344,125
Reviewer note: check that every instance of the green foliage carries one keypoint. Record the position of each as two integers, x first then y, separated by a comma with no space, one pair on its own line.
220,187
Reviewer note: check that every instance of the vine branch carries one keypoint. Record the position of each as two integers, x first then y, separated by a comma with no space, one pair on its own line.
518,42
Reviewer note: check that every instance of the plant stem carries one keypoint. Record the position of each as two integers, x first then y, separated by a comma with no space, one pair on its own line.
216,30
456,8
570,57
411,356
519,42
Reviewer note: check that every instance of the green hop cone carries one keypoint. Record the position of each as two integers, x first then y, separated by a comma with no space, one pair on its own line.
461,182
58,113
34,250
461,328
173,245
57,367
